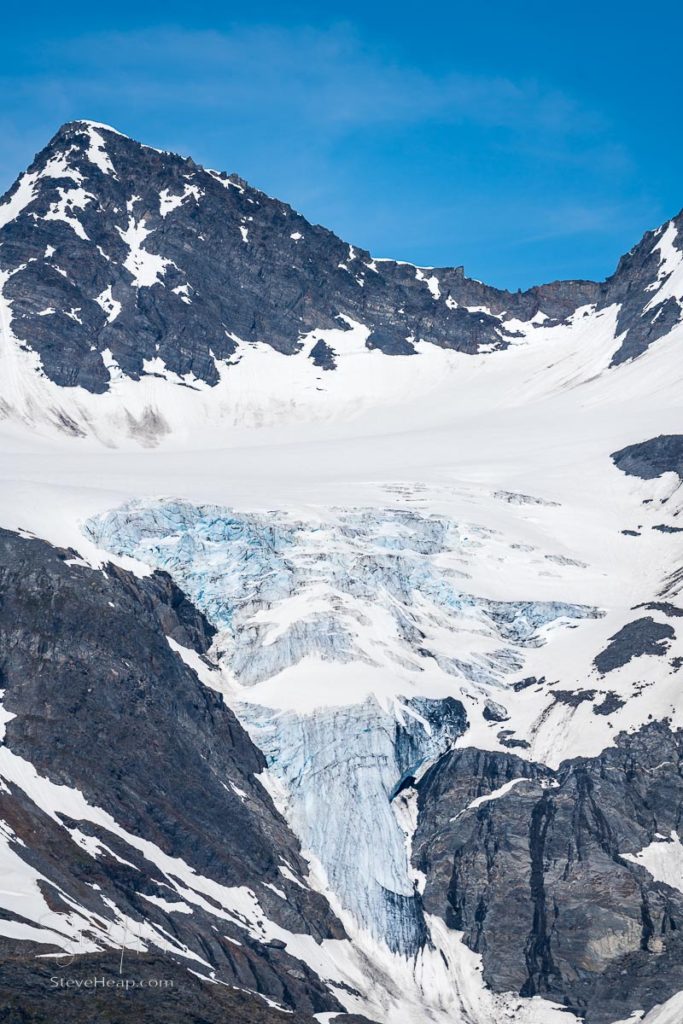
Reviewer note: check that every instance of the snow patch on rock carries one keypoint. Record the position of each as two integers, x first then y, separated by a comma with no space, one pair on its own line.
146,268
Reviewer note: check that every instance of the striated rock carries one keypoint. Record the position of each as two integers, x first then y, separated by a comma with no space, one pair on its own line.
648,310
99,704
543,871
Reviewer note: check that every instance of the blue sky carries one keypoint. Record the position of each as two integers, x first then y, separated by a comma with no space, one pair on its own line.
528,142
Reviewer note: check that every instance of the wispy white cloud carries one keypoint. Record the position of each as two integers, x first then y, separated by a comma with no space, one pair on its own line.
340,128
329,79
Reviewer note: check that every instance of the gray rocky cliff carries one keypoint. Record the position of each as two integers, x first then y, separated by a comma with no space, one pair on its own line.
112,250
103,705
541,870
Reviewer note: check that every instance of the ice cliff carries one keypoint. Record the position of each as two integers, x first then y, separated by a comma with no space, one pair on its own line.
378,594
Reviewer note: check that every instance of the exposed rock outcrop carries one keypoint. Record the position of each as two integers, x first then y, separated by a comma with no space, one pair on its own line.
555,877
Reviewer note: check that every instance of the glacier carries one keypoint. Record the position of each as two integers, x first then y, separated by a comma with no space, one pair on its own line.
379,595
400,507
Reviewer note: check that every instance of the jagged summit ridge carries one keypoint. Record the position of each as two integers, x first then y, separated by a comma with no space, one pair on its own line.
118,259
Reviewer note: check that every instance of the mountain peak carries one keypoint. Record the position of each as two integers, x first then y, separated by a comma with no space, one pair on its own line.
120,261
362,692
97,126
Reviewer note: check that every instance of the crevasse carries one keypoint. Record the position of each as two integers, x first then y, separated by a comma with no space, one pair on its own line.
309,607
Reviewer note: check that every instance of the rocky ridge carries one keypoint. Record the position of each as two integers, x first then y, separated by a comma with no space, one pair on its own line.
120,259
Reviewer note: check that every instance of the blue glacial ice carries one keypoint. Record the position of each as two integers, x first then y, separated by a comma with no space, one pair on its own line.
355,588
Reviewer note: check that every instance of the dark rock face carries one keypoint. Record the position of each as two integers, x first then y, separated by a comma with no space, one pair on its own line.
117,248
632,287
285,278
538,877
104,705
652,458
34,991
226,262
642,636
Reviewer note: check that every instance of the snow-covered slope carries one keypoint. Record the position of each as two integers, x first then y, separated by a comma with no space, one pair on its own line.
392,493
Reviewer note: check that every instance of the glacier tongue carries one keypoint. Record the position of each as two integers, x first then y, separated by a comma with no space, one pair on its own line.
362,617
341,767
